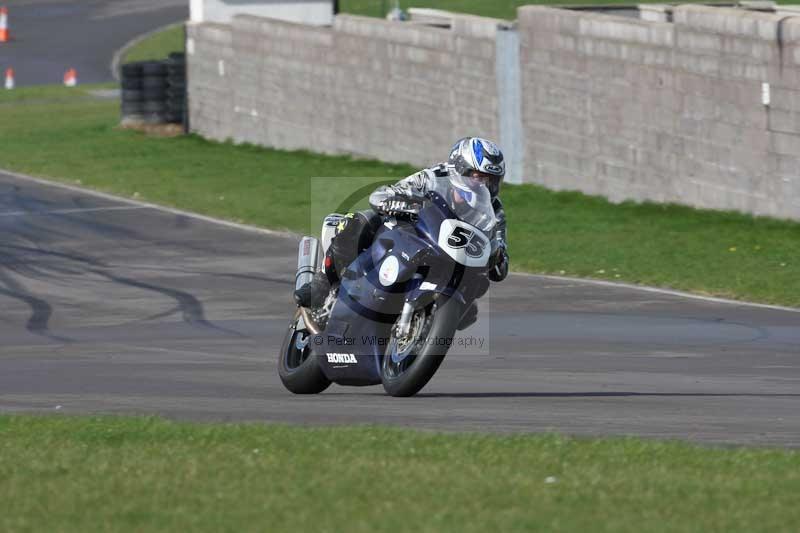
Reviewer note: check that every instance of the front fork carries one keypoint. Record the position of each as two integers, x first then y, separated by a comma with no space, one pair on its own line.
403,325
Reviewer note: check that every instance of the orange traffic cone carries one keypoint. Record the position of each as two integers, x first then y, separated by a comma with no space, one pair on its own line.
3,25
71,78
9,78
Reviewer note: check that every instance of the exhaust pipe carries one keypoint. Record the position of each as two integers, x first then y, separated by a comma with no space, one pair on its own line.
307,261
307,266
312,326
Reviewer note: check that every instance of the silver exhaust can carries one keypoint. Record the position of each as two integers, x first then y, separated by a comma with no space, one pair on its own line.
307,261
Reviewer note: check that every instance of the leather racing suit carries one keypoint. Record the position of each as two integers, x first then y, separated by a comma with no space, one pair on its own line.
357,231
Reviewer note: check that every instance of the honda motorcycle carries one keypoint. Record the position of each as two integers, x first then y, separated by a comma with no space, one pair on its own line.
394,315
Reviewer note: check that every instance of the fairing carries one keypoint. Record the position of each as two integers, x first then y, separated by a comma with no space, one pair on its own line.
406,262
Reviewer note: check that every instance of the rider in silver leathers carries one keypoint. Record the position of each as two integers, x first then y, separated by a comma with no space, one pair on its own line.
416,186
356,231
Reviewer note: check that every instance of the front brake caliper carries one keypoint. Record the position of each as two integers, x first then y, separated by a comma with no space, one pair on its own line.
301,341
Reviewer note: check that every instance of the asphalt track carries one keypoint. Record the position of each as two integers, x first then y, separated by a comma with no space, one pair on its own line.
113,307
50,36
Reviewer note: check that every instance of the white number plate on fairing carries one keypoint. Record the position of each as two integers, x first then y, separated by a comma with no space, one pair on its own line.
464,243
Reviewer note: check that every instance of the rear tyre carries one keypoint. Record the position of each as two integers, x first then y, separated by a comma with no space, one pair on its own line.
154,83
132,70
132,95
297,364
431,335
176,81
132,108
154,119
154,95
154,68
154,106
176,94
133,84
173,118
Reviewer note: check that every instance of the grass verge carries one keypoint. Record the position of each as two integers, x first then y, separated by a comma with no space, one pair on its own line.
147,474
504,9
60,133
157,46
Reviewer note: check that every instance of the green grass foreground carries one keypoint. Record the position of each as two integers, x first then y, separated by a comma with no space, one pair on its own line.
64,134
147,474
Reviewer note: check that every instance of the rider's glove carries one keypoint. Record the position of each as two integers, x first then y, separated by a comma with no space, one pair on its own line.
399,207
499,270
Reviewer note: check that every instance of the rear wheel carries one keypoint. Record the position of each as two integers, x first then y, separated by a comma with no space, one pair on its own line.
153,68
410,362
297,364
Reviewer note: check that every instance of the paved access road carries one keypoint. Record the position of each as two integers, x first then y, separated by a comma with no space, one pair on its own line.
108,307
50,36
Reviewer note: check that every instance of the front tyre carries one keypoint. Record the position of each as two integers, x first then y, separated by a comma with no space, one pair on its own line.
297,364
410,363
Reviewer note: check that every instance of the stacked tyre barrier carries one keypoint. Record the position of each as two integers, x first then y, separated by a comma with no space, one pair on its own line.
176,89
154,92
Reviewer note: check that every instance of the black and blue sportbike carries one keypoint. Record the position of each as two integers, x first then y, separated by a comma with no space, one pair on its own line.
395,313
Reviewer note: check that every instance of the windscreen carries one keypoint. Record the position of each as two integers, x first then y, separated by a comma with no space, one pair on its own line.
469,200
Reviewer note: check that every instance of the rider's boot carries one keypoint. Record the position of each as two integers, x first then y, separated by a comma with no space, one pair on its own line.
355,233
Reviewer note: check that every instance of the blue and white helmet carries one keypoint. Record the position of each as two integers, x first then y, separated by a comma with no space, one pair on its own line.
472,154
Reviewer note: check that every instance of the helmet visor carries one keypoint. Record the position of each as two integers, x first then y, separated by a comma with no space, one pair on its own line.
476,178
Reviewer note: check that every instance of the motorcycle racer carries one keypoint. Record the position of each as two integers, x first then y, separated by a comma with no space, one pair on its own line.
473,162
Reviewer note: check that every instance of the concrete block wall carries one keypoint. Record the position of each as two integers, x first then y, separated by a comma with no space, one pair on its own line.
667,112
211,75
396,92
620,107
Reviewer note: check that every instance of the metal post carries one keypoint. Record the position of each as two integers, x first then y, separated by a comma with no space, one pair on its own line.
186,78
509,93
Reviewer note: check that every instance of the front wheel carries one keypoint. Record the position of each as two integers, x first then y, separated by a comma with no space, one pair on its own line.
297,364
410,363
